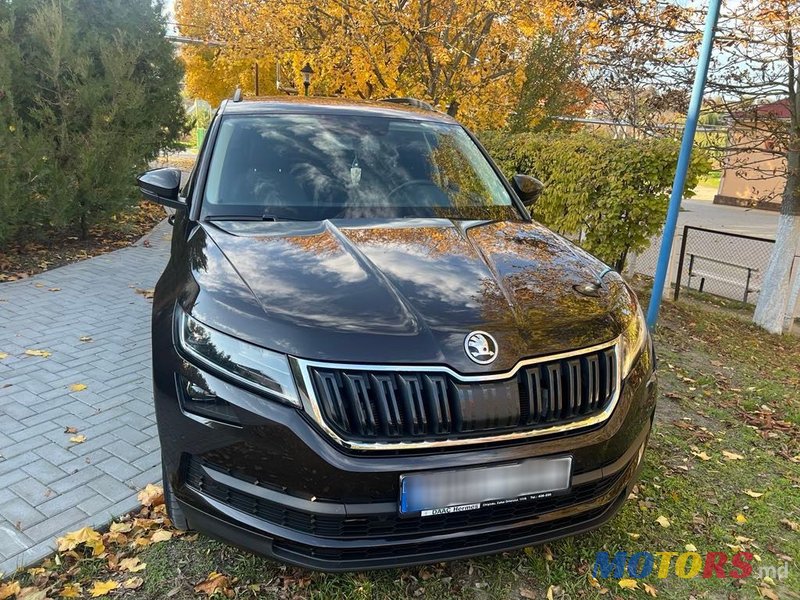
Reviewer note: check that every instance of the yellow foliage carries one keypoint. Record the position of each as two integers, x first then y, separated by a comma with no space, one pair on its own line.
442,51
86,536
213,72
102,588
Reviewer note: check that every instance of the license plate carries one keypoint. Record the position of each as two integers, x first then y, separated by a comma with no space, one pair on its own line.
442,492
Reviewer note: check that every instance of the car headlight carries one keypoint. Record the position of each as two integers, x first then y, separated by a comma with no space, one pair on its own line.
253,366
635,333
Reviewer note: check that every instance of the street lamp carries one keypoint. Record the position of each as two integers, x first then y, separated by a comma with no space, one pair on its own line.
306,72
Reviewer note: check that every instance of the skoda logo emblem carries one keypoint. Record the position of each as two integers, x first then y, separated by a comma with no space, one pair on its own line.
480,347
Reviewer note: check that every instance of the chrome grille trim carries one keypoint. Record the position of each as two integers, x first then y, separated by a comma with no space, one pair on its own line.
311,405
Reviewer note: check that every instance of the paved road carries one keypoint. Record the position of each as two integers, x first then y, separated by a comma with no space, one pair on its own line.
49,485
749,221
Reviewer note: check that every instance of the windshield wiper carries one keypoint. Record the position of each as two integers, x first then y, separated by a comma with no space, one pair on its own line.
242,218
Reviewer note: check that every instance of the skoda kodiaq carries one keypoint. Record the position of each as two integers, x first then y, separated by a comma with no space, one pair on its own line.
366,353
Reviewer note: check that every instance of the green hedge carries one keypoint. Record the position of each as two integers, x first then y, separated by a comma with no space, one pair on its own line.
611,194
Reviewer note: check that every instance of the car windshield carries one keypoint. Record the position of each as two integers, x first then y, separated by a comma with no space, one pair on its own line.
314,167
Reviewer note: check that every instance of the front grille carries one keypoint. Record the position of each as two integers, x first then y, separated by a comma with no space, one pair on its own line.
389,525
373,405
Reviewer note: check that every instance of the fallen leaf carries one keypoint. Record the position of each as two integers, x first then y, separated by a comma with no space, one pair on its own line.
791,524
732,455
768,593
42,353
548,553
54,290
753,494
626,583
101,588
77,439
146,293
9,589
133,583
120,527
702,455
690,548
151,495
77,387
663,521
3,355
71,590
134,565
86,536
162,535
526,593
85,338
740,518
32,593
215,582
634,536
649,589
70,430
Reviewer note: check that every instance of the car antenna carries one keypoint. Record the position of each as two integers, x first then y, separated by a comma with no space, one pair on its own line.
237,94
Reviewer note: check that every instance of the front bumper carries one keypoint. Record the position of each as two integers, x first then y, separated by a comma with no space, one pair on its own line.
275,484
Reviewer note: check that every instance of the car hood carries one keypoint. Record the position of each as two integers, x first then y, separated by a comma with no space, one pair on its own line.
399,291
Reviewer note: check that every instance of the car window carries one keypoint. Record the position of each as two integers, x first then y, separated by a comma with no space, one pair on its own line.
326,166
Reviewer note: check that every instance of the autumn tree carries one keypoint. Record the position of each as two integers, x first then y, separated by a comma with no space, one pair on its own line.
214,69
452,53
637,62
552,85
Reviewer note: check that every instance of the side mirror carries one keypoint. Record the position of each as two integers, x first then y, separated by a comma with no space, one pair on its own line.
162,186
528,188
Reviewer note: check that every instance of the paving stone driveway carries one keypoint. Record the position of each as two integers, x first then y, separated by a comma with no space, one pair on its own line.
48,485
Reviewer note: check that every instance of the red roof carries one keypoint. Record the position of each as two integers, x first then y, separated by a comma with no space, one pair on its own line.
776,110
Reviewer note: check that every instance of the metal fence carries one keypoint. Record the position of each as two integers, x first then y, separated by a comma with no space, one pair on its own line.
730,265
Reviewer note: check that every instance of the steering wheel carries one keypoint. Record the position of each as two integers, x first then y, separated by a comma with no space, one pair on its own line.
409,183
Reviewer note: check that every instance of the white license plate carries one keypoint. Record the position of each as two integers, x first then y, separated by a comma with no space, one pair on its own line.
441,492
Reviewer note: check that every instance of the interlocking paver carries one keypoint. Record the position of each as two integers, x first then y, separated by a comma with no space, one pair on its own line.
48,485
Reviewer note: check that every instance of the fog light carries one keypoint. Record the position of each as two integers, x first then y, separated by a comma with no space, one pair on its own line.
198,400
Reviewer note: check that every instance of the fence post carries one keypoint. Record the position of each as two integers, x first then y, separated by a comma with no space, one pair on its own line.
681,257
630,266
747,284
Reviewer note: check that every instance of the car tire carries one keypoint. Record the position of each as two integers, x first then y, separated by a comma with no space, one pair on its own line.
174,510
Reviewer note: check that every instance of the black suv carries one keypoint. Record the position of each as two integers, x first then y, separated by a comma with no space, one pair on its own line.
366,353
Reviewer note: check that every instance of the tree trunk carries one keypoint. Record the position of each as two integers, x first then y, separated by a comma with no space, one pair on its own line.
794,297
774,296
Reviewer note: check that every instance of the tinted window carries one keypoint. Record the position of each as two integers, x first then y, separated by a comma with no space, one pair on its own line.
328,166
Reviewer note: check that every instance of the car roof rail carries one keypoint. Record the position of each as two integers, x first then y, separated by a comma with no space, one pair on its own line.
415,102
237,94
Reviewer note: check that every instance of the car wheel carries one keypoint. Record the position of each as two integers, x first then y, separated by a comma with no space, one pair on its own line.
173,508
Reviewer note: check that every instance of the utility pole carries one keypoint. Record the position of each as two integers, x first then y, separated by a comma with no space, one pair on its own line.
255,73
683,163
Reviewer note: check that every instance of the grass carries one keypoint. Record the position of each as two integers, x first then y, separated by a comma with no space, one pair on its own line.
725,387
707,187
